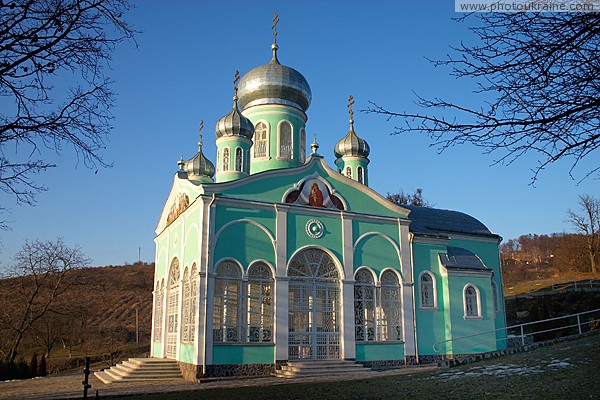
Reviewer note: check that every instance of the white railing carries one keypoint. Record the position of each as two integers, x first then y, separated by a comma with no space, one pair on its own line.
522,335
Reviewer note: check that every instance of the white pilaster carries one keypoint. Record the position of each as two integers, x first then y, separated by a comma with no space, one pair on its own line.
281,285
408,295
348,345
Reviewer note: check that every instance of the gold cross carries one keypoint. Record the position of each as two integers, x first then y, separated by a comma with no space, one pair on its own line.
235,81
274,27
350,103
201,127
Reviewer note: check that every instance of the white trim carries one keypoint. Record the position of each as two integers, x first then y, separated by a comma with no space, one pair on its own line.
252,222
477,299
337,263
396,247
267,156
435,300
279,124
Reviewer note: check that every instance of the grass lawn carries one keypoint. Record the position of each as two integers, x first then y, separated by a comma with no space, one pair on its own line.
570,370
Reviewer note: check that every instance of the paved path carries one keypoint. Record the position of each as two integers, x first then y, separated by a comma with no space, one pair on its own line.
70,387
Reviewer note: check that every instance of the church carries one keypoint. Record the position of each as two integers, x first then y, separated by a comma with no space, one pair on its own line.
270,256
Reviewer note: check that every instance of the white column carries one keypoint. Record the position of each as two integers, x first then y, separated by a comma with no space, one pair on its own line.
348,345
281,285
408,297
202,258
208,304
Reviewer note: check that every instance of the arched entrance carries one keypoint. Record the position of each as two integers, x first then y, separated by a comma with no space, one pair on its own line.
173,309
314,307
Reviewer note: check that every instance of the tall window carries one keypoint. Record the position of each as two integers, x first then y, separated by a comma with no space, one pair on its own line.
496,298
260,303
427,289
158,310
286,149
348,172
302,145
239,159
471,301
218,165
359,173
226,159
390,313
190,297
185,334
261,140
173,309
227,303
364,306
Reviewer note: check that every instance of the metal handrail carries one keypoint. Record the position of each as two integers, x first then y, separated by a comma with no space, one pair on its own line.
521,329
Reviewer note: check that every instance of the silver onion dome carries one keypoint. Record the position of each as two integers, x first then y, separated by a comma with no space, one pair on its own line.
274,83
351,145
234,124
199,166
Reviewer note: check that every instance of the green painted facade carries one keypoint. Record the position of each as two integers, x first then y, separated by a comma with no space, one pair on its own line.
272,261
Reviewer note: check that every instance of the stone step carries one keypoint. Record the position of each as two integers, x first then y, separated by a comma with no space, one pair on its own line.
317,368
140,369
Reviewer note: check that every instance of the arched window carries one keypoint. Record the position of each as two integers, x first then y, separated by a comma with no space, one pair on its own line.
190,296
427,290
218,165
359,173
185,331
471,302
227,313
348,172
247,161
261,140
364,306
302,145
390,312
173,309
496,298
260,303
286,149
158,310
226,159
239,159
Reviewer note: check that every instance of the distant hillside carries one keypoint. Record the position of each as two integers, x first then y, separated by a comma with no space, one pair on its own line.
96,318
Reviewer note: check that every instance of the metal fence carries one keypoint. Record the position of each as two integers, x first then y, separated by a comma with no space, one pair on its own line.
524,334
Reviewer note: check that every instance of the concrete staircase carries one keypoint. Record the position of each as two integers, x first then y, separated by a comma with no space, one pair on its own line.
319,368
140,369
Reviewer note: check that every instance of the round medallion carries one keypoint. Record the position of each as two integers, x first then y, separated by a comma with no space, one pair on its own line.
314,228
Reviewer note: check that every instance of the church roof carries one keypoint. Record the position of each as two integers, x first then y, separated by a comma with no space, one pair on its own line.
435,222
234,124
462,259
351,145
274,83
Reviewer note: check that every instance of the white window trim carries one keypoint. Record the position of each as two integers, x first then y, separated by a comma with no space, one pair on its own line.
279,157
235,163
267,155
302,145
477,299
435,299
496,295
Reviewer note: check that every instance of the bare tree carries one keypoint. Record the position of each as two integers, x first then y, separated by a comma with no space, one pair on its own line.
415,199
587,223
538,78
54,89
43,273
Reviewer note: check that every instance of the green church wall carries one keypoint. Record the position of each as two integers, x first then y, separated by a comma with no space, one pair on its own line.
376,252
157,349
245,242
186,353
431,323
226,214
243,354
298,238
379,351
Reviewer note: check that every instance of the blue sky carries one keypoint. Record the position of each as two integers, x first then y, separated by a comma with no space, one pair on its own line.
183,70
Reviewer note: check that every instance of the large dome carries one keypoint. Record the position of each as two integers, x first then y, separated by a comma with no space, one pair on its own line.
274,83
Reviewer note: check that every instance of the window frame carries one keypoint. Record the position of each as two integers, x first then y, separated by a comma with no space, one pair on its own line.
266,141
239,160
234,326
476,296
434,305
279,141
368,325
265,330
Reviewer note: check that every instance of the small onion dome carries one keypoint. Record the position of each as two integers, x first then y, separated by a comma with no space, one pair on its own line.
234,124
274,83
351,145
199,166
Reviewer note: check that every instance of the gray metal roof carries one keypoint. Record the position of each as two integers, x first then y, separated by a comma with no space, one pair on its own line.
459,258
434,222
351,145
234,124
274,83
